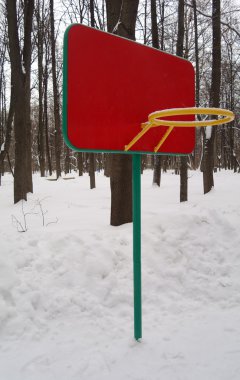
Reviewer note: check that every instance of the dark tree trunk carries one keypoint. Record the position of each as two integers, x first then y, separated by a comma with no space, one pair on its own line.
27,54
208,162
162,7
157,170
197,85
80,163
232,106
121,190
208,181
154,28
67,164
196,157
183,159
57,131
180,35
155,44
40,43
113,14
20,67
121,19
107,164
92,170
45,82
92,155
183,178
91,7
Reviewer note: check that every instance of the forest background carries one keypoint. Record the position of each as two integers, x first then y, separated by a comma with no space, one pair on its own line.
31,42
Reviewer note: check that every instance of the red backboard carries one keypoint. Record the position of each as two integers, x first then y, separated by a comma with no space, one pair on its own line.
111,84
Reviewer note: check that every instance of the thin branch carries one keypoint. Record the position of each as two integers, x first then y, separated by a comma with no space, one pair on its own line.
222,22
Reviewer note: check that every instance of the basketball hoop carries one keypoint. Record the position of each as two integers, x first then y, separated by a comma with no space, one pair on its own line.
155,120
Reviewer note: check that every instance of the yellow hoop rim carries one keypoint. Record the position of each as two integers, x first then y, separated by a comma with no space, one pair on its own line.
154,120
153,117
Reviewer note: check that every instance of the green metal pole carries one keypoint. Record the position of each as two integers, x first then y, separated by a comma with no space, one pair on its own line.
136,195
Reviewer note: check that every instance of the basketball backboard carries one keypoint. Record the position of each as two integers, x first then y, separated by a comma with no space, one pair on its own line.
111,84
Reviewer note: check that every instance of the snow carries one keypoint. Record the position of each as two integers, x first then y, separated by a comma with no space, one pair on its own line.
66,308
208,132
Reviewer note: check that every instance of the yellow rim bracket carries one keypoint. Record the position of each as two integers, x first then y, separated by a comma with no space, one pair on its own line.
155,120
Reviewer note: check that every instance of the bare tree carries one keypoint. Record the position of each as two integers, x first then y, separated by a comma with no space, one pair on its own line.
208,181
40,46
183,159
21,69
121,19
92,155
155,44
57,131
45,91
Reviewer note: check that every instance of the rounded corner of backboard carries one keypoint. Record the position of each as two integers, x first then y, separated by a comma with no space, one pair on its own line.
67,140
67,30
191,67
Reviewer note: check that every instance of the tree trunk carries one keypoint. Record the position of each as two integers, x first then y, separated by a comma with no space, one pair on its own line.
57,131
155,44
80,163
180,35
183,159
197,85
154,26
67,163
45,83
20,68
92,155
208,181
107,164
198,146
157,170
92,170
26,64
121,19
41,137
162,8
92,18
121,189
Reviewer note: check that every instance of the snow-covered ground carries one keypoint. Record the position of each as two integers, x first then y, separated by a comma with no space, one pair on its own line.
66,308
